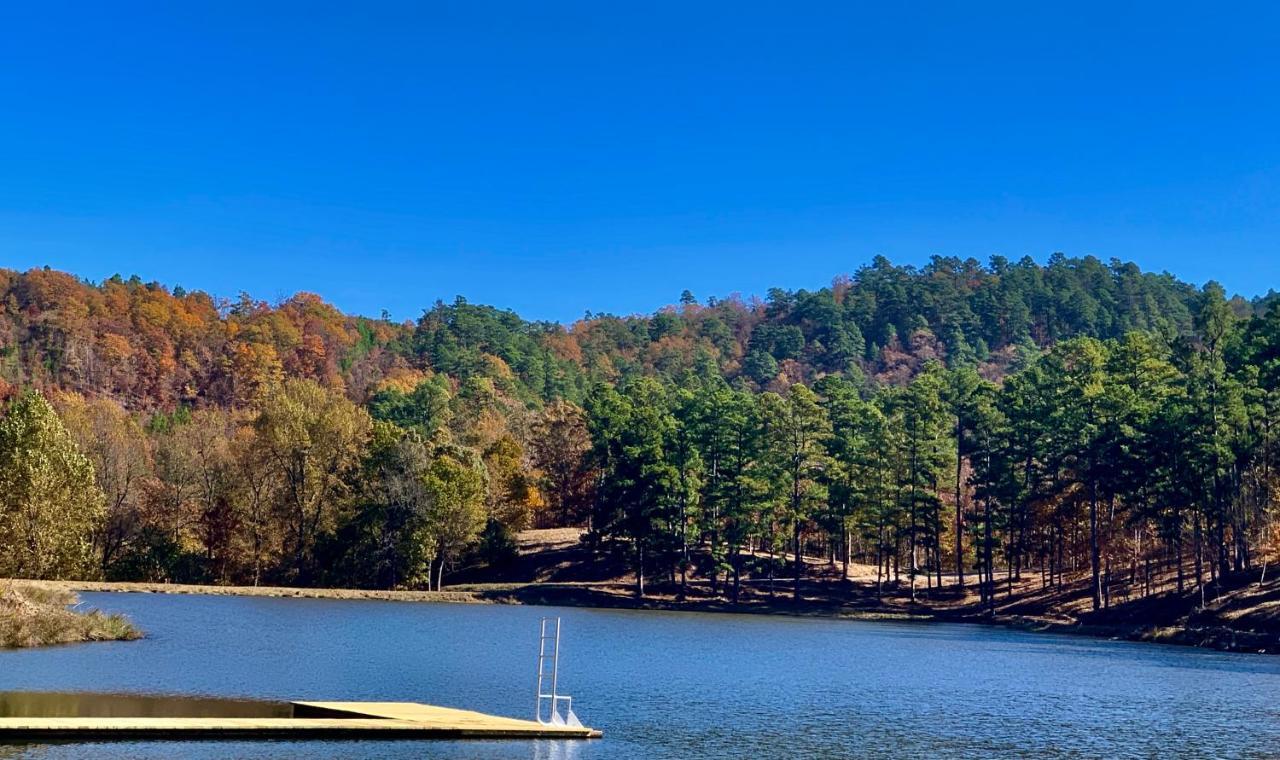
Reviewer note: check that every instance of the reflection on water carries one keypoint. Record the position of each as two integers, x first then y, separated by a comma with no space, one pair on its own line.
556,750
669,685
35,704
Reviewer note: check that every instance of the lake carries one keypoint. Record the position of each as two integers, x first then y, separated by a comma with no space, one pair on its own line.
673,685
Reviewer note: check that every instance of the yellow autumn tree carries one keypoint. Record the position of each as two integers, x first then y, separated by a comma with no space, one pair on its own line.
50,506
312,437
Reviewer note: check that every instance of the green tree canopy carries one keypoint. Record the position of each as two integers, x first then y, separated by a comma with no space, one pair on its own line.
50,506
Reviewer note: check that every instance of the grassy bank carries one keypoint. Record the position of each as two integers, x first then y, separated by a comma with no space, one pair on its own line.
33,614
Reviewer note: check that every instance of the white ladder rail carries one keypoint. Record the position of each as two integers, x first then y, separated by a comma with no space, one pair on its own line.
551,698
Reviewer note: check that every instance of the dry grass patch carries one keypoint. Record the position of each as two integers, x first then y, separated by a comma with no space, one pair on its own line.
32,616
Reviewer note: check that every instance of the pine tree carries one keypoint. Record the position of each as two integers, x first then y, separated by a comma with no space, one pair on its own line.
797,431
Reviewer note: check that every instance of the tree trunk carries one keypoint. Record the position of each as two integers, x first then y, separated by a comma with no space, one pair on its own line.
937,537
737,572
684,537
959,511
844,542
640,570
1197,539
1095,556
799,568
880,559
771,562
714,574
989,550
1177,548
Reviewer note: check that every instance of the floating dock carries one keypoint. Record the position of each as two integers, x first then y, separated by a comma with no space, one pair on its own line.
313,720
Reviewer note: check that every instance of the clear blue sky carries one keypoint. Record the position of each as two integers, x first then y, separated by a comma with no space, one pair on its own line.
554,158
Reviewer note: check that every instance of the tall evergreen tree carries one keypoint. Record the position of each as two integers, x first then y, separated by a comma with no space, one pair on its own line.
797,431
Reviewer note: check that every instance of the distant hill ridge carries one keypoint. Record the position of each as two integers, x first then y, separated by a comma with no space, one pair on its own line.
149,346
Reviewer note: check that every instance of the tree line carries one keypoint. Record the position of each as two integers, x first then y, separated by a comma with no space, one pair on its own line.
1136,459
304,487
1127,435
151,347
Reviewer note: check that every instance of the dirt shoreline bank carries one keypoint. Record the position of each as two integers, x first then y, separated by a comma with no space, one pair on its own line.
263,591
609,596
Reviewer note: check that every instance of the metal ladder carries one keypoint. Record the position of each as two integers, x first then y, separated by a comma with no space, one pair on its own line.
547,709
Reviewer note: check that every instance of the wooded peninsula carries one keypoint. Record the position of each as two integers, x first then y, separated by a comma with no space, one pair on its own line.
957,436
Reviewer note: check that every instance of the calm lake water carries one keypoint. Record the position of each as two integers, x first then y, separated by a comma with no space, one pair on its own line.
674,685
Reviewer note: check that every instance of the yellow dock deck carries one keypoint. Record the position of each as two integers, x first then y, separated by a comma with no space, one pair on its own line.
329,720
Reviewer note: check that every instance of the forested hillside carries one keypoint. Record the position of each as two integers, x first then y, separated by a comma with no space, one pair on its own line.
149,347
958,418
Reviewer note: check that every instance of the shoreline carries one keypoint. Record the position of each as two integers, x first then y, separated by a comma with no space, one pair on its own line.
606,596
273,592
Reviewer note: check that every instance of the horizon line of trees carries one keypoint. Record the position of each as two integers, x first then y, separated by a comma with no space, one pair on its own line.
153,348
